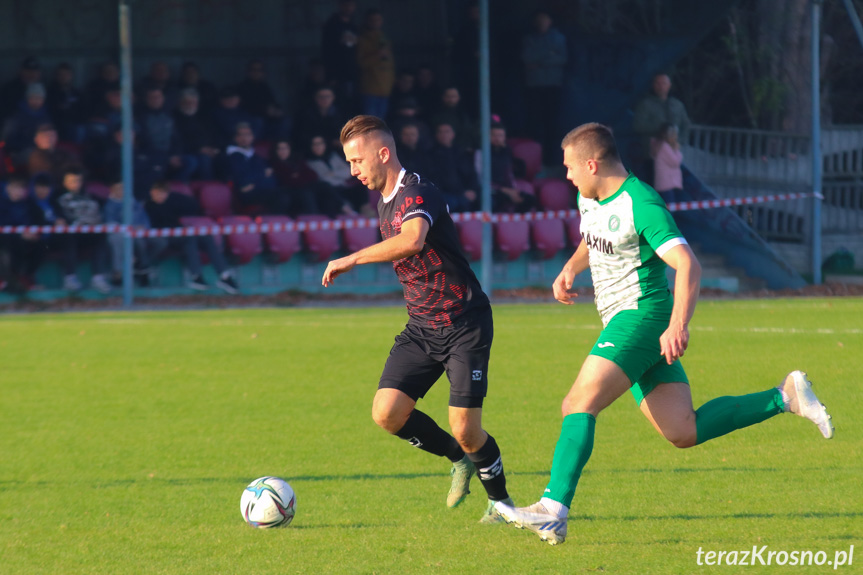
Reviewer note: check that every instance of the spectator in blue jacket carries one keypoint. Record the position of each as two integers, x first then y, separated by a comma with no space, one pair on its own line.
254,183
112,213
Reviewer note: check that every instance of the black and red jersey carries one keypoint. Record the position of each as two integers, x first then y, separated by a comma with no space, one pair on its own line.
438,282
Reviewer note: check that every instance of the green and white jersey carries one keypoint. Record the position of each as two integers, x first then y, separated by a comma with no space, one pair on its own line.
626,235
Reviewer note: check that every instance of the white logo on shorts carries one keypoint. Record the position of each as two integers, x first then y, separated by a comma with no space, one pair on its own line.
604,344
476,375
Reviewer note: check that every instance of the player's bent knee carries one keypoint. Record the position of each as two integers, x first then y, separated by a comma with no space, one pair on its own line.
682,439
469,438
388,419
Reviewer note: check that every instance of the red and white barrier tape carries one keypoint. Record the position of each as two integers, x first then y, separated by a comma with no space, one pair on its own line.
353,223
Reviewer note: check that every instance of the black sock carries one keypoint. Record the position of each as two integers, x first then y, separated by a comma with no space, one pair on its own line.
421,431
489,469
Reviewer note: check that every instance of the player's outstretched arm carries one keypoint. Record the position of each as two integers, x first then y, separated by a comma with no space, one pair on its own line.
675,340
407,243
563,284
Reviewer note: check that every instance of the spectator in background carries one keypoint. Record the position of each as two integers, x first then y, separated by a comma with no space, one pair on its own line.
165,210
112,213
316,77
377,66
158,137
107,79
13,91
405,86
450,111
412,158
254,184
158,78
228,114
656,109
257,98
19,256
544,56
427,91
66,104
667,161
505,195
77,208
106,116
465,58
197,135
339,51
105,161
406,111
333,170
190,77
46,158
295,176
323,117
452,171
21,126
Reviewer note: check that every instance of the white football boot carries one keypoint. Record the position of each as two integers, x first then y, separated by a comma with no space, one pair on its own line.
536,518
803,402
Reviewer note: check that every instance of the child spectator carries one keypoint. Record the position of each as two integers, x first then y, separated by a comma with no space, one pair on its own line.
667,159
334,171
505,195
113,214
18,252
165,208
77,207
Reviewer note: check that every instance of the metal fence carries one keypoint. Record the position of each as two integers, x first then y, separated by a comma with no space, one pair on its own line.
738,163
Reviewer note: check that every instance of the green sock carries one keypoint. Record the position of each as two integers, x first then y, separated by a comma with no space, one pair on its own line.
725,414
571,453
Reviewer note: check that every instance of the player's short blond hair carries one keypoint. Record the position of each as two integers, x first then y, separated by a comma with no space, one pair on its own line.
592,141
364,125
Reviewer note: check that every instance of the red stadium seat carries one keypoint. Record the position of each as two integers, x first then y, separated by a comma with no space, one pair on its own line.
320,244
548,237
470,236
281,245
203,221
357,238
512,238
215,198
97,190
572,230
181,188
528,151
243,246
553,194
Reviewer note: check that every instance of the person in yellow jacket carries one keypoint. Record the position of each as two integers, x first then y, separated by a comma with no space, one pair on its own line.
377,66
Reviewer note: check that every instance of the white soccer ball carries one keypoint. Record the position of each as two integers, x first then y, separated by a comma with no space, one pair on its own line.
268,502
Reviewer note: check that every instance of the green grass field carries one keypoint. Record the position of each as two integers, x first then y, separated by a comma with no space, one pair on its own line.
126,440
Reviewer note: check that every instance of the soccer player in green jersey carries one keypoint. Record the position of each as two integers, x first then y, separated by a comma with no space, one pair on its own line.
629,238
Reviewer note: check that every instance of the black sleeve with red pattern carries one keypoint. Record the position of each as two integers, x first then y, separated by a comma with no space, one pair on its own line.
422,201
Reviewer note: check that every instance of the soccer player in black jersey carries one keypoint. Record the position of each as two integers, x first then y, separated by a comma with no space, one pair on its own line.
450,323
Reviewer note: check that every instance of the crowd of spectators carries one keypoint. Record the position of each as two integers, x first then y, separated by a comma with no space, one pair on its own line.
60,135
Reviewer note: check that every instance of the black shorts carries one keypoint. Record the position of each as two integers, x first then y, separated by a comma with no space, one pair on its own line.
421,355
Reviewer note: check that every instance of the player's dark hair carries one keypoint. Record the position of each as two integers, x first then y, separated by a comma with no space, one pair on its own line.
74,169
363,125
592,141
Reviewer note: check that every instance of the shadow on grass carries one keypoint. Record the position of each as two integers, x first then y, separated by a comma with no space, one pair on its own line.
9,485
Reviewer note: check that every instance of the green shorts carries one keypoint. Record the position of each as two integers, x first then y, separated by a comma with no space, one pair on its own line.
631,340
